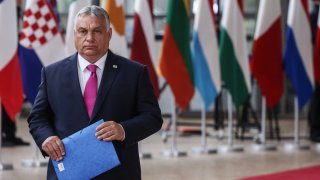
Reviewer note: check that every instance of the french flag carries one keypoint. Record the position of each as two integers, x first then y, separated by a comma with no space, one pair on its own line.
11,91
40,44
298,60
205,54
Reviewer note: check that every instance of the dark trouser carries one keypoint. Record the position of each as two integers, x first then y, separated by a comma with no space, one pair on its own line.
8,126
314,116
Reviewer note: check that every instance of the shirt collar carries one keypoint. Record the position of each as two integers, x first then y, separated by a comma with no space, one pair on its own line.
83,63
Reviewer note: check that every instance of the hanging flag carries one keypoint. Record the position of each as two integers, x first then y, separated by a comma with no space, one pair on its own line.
11,91
40,44
205,54
143,40
298,60
118,42
74,8
266,59
233,52
316,65
175,63
54,6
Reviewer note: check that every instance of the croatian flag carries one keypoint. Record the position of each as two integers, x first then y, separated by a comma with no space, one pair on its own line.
205,54
298,60
11,93
40,44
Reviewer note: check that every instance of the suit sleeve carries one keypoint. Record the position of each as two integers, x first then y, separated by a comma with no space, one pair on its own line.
148,119
41,117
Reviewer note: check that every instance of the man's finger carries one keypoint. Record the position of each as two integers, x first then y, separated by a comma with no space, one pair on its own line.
57,150
105,134
103,125
61,147
52,153
101,131
110,138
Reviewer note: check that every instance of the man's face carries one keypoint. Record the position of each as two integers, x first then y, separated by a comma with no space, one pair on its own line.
91,37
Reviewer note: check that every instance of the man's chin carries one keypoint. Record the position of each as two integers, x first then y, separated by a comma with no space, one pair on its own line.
91,56
90,53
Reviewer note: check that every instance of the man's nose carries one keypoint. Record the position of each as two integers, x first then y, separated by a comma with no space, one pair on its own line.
90,36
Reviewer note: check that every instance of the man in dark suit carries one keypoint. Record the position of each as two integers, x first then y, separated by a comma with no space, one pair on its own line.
124,98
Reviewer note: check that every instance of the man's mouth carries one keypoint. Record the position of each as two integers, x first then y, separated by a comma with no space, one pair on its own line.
89,47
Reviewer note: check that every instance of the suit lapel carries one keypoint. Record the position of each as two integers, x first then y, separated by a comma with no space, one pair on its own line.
108,76
73,82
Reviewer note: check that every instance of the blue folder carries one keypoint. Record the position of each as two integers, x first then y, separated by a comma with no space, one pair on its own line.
85,155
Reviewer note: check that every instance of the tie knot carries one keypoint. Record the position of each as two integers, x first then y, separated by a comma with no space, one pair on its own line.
92,68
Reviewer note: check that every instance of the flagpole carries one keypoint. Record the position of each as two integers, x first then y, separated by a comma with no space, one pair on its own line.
203,149
35,161
263,146
173,151
3,166
143,155
230,147
296,122
296,144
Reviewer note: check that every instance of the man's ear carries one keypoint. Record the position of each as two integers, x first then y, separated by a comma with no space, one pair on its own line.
110,33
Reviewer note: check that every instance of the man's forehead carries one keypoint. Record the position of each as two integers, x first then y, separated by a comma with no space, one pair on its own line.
92,21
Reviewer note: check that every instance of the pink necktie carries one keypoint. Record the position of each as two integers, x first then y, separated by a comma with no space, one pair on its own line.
90,91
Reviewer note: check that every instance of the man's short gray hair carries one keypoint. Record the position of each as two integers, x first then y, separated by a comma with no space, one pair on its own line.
93,11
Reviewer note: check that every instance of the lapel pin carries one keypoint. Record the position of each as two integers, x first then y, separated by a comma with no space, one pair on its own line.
115,66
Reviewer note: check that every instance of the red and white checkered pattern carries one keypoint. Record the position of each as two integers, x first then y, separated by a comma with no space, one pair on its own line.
39,26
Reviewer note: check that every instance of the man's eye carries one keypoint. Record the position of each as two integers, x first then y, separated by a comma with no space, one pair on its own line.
97,32
82,32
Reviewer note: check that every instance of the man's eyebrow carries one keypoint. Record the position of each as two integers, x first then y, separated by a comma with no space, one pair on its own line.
82,28
98,27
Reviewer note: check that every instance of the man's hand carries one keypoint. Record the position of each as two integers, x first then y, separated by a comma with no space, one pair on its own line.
109,131
53,146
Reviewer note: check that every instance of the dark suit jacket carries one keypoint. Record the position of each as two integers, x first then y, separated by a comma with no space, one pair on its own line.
125,95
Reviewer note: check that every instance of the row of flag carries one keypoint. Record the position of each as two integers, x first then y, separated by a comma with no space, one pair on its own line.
229,63
204,65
